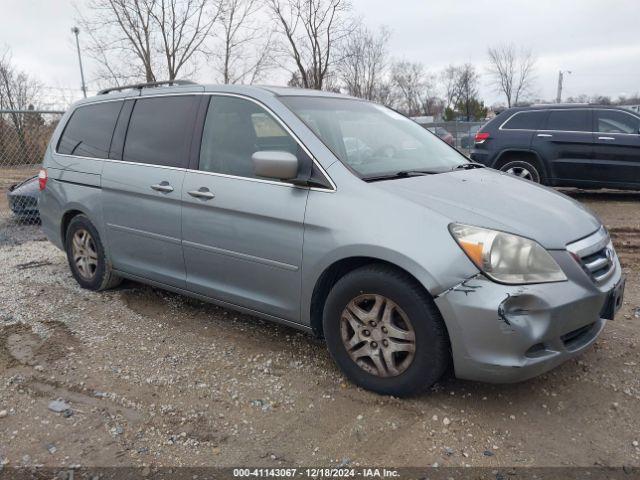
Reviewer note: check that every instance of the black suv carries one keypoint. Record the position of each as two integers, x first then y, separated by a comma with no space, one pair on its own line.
584,146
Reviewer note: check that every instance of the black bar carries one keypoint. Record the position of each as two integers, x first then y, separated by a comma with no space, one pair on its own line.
140,86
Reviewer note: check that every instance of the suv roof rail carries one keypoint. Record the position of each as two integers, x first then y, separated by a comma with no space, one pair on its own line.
562,104
140,86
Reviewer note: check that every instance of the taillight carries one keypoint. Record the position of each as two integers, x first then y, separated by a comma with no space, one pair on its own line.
481,137
42,179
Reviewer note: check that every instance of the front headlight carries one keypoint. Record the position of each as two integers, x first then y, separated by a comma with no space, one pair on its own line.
507,258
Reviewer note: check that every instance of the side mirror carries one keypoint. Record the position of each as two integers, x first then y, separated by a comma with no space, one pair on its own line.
275,164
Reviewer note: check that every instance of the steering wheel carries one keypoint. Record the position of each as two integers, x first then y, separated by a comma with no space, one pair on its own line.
386,151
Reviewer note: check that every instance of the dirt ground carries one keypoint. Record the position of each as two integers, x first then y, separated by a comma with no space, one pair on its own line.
153,378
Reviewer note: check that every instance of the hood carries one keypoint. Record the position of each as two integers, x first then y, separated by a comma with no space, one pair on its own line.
486,198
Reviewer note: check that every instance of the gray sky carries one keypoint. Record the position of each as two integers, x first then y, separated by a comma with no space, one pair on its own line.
598,41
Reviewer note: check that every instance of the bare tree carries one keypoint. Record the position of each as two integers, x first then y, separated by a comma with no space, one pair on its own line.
512,71
628,100
363,65
245,54
310,31
413,89
151,39
18,92
450,79
467,88
461,90
184,26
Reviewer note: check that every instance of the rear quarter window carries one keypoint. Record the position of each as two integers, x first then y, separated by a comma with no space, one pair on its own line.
89,130
524,120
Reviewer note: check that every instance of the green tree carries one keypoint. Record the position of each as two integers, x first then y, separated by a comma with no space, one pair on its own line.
467,110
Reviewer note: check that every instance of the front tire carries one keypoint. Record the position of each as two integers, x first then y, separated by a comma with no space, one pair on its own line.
385,332
86,256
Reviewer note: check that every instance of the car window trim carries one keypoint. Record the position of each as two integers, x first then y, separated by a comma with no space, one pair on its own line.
210,94
543,110
548,110
71,115
593,130
619,110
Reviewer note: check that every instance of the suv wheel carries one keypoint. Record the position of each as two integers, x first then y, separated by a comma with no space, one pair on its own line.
384,331
523,169
86,257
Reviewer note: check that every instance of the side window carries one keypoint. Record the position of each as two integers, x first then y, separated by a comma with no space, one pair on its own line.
234,130
160,131
568,120
525,121
613,121
89,130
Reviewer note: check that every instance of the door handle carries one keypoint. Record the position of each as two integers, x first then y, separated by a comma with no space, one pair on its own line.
202,192
606,138
163,187
546,135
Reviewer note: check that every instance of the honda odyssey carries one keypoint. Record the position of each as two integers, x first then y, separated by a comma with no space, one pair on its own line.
405,256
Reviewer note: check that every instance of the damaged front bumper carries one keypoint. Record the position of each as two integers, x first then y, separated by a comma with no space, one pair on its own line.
509,333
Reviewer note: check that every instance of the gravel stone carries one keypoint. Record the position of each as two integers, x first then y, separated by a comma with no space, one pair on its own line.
158,364
59,406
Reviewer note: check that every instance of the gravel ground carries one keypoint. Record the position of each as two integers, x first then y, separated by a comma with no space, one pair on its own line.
156,379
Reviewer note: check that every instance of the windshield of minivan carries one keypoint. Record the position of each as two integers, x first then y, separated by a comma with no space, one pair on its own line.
373,140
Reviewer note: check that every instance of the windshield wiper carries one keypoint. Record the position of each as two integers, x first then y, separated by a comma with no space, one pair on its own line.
468,166
400,174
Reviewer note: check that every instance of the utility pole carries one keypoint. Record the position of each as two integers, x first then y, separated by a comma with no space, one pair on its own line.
76,32
560,80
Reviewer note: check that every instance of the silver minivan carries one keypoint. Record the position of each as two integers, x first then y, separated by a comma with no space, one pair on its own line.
333,215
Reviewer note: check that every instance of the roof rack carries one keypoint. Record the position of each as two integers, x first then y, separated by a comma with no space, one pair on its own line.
140,86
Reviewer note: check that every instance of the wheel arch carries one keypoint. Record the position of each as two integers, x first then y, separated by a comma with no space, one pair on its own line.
508,153
67,216
339,268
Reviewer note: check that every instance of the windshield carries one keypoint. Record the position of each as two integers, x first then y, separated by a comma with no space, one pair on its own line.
371,139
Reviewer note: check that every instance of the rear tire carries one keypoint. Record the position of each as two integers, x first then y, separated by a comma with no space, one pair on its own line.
374,348
86,256
523,169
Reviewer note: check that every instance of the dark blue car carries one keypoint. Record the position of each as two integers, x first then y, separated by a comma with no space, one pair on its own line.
586,146
23,199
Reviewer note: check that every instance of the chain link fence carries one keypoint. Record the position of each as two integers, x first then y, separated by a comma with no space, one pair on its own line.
457,134
24,135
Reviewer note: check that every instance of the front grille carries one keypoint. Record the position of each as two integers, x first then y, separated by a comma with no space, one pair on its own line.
596,255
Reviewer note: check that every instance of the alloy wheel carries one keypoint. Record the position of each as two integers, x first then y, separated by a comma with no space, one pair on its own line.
521,172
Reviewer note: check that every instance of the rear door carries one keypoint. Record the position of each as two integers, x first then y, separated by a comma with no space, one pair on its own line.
242,235
76,164
565,142
616,147
142,186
